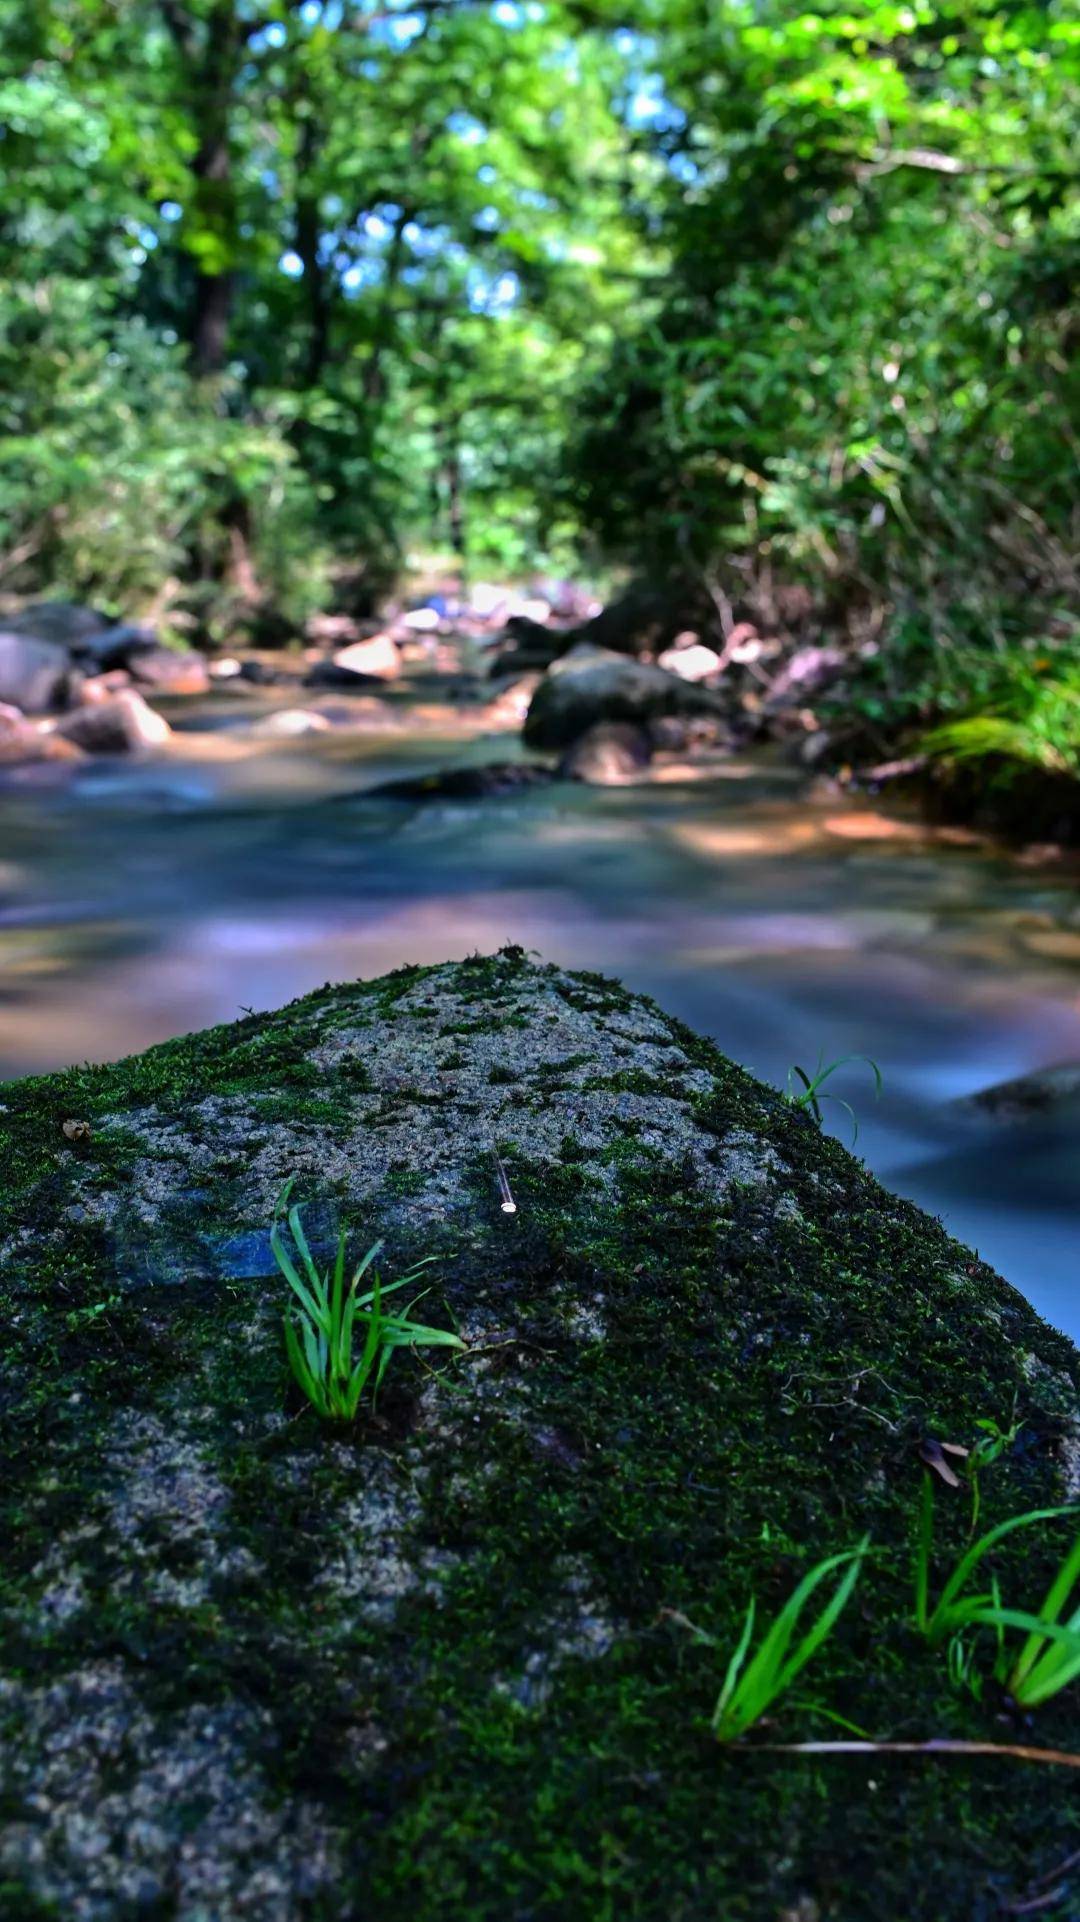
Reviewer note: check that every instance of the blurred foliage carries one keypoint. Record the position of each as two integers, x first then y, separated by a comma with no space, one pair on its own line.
1033,721
717,285
863,373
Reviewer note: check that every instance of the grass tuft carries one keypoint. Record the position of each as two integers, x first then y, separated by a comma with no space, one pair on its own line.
320,1340
750,1687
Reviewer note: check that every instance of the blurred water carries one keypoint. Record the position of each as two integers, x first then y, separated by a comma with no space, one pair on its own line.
139,902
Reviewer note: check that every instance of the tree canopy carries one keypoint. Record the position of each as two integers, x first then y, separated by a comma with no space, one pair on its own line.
291,289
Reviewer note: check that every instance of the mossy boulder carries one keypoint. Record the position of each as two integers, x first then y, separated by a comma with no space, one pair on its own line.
432,1665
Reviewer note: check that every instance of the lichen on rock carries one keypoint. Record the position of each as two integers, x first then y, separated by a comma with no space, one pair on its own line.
431,1665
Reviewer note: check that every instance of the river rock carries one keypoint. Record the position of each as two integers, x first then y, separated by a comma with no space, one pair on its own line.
67,624
440,1663
480,783
1030,1095
509,704
33,673
361,665
22,742
610,755
592,684
287,723
805,673
526,644
169,670
377,658
89,690
122,724
692,661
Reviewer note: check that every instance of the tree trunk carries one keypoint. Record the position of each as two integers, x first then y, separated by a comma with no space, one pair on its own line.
308,234
453,480
212,58
210,322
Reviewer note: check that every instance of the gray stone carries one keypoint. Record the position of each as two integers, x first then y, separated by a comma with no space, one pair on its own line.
121,724
610,755
33,672
592,684
255,1667
1030,1095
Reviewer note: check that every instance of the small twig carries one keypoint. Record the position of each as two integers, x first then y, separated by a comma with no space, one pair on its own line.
509,1205
1058,1758
1034,1899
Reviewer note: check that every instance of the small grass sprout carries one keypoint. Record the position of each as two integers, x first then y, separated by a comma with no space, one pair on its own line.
321,1340
811,1096
1050,1656
750,1687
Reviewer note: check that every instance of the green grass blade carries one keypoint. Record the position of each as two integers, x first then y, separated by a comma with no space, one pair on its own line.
827,1620
732,1674
296,1227
771,1670
1057,1595
309,1302
414,1334
969,1561
338,1358
375,1249
385,1288
310,1383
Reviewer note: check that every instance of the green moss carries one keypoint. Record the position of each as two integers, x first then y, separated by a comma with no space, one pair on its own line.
757,1398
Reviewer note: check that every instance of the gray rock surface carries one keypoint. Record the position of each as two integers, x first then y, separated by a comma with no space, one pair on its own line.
33,673
590,685
255,1668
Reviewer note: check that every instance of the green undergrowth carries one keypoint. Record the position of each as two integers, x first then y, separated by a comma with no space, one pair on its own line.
753,1397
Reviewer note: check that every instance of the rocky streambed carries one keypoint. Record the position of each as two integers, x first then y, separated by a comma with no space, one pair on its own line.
434,1664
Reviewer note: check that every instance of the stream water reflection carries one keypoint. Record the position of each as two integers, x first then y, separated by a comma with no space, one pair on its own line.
138,902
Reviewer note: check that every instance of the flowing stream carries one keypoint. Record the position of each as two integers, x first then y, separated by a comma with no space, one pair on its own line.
141,900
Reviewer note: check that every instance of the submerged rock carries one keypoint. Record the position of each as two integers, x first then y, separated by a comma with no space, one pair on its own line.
490,778
610,755
437,1664
1030,1095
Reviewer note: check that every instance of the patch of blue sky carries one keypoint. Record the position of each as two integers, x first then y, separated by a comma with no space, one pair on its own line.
493,294
274,34
649,106
466,127
397,29
361,274
686,171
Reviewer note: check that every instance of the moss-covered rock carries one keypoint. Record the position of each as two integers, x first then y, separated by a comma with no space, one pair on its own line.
429,1666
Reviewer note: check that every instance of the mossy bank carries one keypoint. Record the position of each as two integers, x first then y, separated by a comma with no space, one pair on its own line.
428,1667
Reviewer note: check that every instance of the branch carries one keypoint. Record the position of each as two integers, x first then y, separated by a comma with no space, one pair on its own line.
930,160
1057,1757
